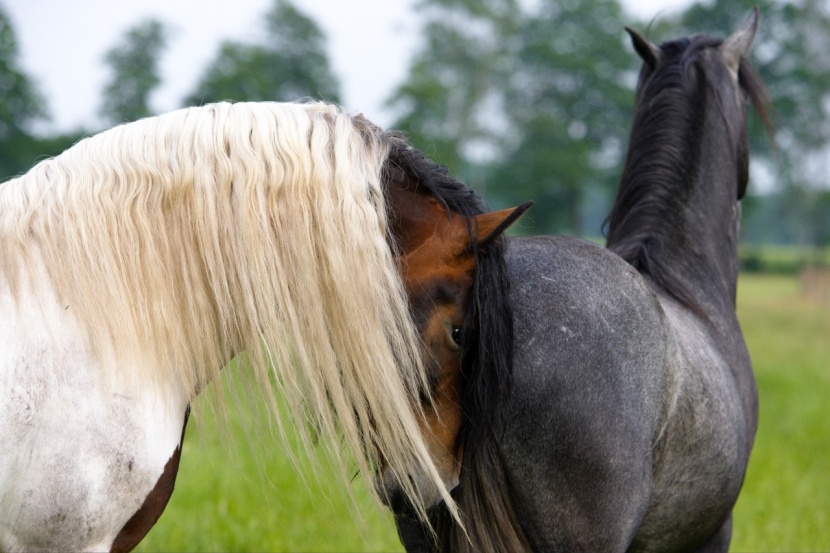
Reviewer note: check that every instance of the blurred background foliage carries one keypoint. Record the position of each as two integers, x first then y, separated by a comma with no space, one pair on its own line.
134,73
521,99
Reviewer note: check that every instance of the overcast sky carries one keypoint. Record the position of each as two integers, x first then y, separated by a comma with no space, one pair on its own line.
63,43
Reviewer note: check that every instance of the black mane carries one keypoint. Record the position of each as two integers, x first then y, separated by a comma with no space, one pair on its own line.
664,155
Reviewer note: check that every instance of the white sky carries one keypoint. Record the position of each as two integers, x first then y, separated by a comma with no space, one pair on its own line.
63,43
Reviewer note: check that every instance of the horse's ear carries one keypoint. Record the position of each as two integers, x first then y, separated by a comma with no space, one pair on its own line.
649,52
737,46
492,225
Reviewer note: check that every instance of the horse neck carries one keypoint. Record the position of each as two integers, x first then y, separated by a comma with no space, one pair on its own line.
677,212
711,218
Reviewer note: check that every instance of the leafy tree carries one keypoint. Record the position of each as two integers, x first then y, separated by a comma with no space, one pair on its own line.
535,97
450,105
21,105
135,72
289,64
570,99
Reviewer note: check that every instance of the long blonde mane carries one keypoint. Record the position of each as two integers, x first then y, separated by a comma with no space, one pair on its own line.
185,239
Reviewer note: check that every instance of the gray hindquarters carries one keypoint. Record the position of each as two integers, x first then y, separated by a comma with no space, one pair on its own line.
590,351
630,420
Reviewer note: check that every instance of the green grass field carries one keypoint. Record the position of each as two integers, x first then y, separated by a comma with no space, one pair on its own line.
785,503
245,494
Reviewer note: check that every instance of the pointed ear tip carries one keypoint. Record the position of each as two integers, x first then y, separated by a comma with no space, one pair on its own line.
525,206
739,43
753,17
517,212
508,211
501,220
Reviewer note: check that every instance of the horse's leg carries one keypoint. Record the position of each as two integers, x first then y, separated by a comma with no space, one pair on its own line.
150,511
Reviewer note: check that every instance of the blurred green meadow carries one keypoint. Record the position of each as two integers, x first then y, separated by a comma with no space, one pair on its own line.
785,502
245,494
239,489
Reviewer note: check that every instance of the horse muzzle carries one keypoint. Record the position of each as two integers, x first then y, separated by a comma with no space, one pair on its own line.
393,494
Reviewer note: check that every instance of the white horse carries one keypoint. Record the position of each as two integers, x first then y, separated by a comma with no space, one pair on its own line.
140,261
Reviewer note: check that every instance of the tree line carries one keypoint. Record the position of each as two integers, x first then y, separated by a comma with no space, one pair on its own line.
520,99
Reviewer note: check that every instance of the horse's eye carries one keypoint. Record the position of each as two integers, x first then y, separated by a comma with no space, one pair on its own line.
457,335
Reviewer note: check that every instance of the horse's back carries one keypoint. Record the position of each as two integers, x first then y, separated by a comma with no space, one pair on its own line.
79,454
588,397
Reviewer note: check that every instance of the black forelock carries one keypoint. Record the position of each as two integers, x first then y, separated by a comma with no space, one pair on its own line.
433,177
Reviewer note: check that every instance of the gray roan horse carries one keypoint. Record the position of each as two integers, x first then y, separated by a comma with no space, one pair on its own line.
633,405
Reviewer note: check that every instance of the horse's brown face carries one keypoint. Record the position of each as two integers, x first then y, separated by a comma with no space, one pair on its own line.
438,276
438,269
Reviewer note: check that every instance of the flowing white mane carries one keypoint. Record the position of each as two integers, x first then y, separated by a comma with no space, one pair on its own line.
185,239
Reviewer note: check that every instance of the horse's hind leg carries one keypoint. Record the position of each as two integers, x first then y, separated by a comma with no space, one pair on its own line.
719,542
